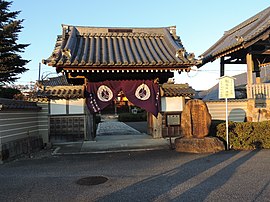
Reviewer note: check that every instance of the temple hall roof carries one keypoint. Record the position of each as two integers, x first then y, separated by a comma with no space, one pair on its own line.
101,48
253,30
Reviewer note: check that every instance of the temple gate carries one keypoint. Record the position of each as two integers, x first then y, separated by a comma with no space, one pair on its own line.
135,61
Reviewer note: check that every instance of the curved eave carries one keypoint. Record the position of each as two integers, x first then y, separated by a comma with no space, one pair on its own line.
126,70
120,66
234,47
221,53
130,68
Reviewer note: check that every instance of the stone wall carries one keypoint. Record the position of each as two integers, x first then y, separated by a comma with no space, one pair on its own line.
20,146
257,114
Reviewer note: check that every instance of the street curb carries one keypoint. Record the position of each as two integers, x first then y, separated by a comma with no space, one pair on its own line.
56,153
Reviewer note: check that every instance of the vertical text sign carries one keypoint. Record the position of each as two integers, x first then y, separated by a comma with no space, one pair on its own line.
226,87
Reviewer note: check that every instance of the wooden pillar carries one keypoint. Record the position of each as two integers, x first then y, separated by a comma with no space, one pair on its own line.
250,96
222,67
89,120
157,126
149,124
250,68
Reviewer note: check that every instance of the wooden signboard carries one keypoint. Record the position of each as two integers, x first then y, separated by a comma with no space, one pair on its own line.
226,87
226,90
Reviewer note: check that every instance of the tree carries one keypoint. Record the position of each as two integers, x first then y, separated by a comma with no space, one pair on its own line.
11,63
8,92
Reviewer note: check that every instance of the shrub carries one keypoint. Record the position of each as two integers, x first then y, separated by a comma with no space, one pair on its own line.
246,135
128,117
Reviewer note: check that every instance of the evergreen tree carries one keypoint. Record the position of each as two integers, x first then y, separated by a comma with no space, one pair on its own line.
11,63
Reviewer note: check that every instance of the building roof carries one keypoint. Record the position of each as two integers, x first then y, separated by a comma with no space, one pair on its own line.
54,81
57,88
240,37
61,92
98,48
177,90
17,104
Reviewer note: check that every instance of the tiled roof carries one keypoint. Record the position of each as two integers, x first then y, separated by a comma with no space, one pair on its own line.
54,81
17,104
240,37
176,90
92,48
61,92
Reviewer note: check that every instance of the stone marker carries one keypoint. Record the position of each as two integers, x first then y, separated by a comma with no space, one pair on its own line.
195,119
195,126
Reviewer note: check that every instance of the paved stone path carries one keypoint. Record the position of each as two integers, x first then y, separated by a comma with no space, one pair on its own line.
114,127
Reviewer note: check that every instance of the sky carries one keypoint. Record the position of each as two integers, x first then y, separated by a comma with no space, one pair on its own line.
199,23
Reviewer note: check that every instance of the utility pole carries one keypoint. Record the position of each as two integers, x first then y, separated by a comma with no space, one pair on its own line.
39,69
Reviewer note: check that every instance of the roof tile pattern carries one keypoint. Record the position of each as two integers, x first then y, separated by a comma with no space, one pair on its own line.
241,36
17,104
54,81
119,48
177,90
61,92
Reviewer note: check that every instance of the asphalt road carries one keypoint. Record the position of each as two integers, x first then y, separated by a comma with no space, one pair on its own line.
140,176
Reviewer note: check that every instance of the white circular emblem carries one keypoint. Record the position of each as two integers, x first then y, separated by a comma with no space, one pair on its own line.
104,93
142,92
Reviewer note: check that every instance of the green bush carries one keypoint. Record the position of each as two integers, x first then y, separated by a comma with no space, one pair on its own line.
128,117
246,135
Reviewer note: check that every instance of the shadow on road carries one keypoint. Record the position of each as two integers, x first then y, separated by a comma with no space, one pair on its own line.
158,187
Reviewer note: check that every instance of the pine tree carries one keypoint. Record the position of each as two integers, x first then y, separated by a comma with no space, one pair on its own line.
11,63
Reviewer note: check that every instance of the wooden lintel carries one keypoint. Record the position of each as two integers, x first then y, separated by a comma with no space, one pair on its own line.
265,52
235,61
75,77
137,68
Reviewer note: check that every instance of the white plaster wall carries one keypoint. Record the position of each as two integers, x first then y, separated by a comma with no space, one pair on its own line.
76,106
58,107
172,104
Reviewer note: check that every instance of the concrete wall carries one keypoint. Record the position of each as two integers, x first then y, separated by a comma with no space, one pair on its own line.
237,110
43,121
21,131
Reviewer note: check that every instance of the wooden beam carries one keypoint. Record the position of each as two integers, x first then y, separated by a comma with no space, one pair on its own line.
222,67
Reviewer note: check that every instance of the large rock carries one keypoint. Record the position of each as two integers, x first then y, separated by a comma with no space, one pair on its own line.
195,119
199,145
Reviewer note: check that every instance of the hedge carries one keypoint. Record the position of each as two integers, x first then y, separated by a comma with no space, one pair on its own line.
246,135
